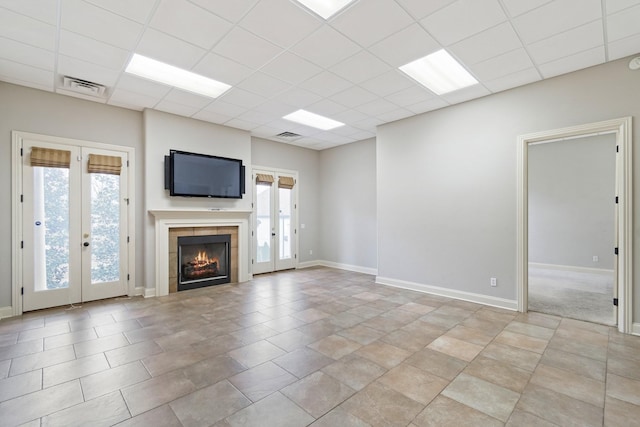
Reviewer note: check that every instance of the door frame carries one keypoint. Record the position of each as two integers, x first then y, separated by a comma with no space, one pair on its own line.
276,172
622,128
17,208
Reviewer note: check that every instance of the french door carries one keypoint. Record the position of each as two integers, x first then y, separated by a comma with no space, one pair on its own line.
74,223
275,219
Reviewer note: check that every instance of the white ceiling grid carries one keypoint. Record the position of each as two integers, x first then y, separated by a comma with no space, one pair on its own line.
280,57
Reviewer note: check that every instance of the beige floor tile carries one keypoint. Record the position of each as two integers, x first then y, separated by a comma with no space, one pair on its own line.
355,371
362,334
21,349
318,393
406,341
47,331
483,396
440,320
624,367
41,360
259,382
559,408
217,346
283,324
209,405
488,327
345,320
164,362
335,346
624,389
5,365
414,383
521,341
447,412
437,363
303,361
8,339
569,383
253,334
105,382
624,351
519,419
339,417
100,345
457,348
502,374
530,330
73,369
618,413
517,357
385,355
178,340
115,328
378,405
582,335
68,339
471,335
20,385
212,370
310,315
417,308
131,353
539,319
156,392
104,411
274,410
580,348
584,366
162,416
256,353
385,324
291,340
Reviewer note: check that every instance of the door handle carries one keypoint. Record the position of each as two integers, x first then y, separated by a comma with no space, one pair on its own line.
85,244
273,234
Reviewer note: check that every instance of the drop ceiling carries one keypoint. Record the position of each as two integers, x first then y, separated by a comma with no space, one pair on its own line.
280,57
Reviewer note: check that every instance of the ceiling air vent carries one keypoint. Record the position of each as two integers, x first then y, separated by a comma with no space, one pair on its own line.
288,136
84,87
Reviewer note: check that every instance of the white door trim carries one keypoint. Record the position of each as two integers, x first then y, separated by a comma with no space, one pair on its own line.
622,129
16,208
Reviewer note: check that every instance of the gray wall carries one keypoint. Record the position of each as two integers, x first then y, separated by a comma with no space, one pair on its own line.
571,208
307,163
447,179
31,110
348,204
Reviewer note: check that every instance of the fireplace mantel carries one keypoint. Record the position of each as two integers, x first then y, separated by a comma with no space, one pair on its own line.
173,218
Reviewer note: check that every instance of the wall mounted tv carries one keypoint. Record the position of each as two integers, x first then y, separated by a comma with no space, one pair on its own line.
201,175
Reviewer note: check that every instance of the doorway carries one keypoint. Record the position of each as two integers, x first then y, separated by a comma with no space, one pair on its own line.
275,220
572,228
73,221
623,229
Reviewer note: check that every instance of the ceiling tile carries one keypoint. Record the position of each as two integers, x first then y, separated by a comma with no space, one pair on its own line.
241,124
362,135
326,47
388,83
265,132
188,99
27,55
394,115
224,108
421,8
624,24
298,97
91,21
518,7
258,117
131,100
188,22
230,10
519,78
463,19
349,116
291,68
242,98
576,40
326,107
138,10
345,131
264,85
211,116
91,50
360,67
163,47
175,108
326,84
383,18
623,47
558,16
379,106
246,48
275,108
502,65
405,46
466,94
353,97
46,11
429,105
280,21
614,6
131,83
22,74
410,96
27,30
86,71
222,69
368,124
487,44
572,63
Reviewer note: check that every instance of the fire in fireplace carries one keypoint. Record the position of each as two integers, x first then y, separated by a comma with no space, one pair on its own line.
203,261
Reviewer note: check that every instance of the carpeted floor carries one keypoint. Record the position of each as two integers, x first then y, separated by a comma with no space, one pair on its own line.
576,295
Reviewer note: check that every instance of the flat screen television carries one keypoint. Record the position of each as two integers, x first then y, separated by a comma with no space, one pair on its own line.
201,175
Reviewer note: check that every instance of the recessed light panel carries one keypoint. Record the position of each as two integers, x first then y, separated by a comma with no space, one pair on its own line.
439,72
173,76
326,8
314,120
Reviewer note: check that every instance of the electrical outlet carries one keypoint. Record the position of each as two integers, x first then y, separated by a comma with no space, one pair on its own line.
595,258
310,252
494,281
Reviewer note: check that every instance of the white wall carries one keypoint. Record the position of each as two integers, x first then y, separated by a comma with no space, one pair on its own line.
447,179
31,110
164,132
571,202
307,163
348,205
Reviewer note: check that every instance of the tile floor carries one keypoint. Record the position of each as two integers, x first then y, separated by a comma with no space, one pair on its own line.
317,347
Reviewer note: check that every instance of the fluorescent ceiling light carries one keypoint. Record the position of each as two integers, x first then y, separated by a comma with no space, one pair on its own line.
173,76
326,8
313,120
439,72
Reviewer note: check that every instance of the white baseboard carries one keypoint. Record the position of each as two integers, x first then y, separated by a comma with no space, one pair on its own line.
339,266
6,312
149,292
138,290
572,268
450,293
307,264
635,329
